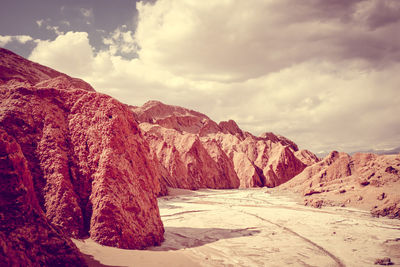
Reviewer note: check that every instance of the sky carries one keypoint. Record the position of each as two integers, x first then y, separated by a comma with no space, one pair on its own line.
324,73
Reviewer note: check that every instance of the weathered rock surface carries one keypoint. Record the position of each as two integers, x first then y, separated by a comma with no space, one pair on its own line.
26,237
191,164
363,180
92,171
198,153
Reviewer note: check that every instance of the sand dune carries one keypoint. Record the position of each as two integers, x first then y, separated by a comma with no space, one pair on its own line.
252,227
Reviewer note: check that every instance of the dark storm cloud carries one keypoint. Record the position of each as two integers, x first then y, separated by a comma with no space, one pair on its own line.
384,13
363,29
315,10
263,37
342,9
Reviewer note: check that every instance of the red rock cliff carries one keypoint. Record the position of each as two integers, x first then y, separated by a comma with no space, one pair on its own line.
198,152
92,172
26,237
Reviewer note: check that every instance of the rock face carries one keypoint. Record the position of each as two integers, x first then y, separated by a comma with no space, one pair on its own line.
190,163
198,153
26,237
92,171
363,180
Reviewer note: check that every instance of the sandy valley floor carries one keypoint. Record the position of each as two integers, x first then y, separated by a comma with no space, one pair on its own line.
252,227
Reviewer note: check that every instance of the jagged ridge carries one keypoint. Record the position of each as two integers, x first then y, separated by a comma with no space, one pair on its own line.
198,152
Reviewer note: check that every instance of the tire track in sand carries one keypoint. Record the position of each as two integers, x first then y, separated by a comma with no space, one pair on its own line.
336,259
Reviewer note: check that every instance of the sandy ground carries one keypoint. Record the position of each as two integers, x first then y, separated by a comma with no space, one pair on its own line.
252,227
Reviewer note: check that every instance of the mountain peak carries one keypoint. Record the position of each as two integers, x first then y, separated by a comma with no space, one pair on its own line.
16,71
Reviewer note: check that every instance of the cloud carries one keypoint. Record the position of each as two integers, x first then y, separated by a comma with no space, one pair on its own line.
319,108
4,40
40,22
378,14
55,29
65,23
323,73
69,52
232,41
86,12
49,25
121,42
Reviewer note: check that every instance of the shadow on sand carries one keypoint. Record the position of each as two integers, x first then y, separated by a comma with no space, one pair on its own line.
186,237
92,262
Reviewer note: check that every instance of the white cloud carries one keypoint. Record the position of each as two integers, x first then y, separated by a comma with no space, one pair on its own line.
55,29
69,52
48,25
323,74
318,108
5,40
23,38
121,41
17,38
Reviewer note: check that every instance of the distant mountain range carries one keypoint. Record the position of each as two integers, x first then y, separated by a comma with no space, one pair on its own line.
392,151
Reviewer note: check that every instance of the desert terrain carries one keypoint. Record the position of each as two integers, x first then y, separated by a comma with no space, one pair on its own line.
88,180
257,227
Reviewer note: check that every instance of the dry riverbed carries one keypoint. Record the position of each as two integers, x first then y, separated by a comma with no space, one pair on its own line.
252,227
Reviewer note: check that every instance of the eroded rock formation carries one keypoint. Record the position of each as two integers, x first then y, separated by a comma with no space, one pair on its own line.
363,180
92,172
26,237
197,152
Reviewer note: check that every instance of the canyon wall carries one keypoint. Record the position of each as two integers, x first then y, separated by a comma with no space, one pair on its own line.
199,153
91,171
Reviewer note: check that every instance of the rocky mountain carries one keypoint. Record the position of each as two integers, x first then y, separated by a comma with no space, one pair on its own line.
392,151
16,71
90,170
363,180
78,161
197,152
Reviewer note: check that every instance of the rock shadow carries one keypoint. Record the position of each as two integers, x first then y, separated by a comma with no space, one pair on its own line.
92,262
177,238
